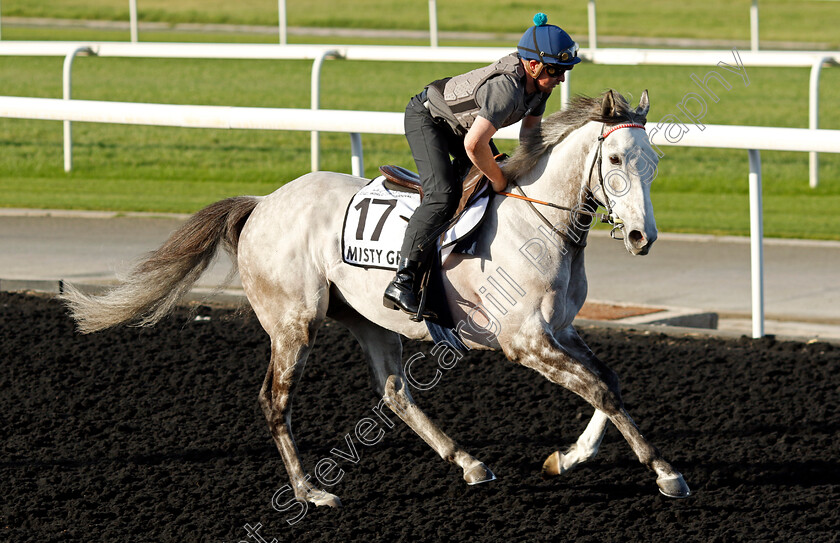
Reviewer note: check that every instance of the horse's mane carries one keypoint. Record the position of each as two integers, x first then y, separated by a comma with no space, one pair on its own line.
557,126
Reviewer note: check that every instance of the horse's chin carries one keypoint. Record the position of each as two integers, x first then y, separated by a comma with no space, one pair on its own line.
638,240
637,250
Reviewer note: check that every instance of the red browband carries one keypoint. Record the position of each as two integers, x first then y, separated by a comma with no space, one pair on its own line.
616,127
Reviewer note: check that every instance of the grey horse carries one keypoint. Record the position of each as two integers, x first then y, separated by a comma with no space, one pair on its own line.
288,249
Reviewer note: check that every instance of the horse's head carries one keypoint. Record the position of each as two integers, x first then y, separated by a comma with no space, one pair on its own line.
598,147
624,166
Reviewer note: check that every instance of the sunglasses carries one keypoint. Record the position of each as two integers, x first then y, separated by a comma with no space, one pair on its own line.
555,70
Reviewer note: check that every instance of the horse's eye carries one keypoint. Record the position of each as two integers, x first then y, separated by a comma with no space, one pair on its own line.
615,160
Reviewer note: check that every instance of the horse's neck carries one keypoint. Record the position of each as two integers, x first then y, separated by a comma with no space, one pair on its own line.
521,245
562,175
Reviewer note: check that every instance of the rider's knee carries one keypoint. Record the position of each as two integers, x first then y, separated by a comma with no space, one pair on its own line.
445,203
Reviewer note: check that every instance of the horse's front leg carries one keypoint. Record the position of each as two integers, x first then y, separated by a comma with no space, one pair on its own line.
585,448
567,361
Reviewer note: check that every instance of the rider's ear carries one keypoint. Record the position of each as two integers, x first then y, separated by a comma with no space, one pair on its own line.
534,68
608,104
644,107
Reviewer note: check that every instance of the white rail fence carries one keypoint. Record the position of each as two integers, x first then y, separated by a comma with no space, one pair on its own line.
752,139
814,60
593,26
433,24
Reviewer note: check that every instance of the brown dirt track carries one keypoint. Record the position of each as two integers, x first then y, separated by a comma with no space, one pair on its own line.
155,435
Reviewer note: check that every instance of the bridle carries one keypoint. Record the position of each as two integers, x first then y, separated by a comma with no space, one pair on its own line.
609,217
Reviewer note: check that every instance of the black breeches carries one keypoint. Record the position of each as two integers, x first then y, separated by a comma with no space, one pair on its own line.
441,162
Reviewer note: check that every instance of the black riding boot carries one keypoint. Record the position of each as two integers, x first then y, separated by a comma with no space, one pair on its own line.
400,292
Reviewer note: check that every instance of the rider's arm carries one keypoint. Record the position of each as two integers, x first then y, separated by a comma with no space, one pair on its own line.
530,122
477,145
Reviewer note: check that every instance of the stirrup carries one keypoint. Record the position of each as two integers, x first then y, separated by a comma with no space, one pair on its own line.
419,316
422,312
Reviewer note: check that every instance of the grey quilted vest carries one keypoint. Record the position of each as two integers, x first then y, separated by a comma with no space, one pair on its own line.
453,98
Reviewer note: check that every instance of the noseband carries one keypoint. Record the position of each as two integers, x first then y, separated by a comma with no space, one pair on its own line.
609,217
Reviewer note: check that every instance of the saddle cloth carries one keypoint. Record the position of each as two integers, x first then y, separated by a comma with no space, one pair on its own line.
375,221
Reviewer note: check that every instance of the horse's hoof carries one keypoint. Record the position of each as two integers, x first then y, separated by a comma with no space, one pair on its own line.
673,487
559,463
324,498
479,474
551,467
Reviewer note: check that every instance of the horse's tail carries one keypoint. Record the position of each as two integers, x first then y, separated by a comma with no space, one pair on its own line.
150,291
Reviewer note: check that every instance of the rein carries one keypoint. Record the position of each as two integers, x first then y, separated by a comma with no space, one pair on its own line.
600,216
608,217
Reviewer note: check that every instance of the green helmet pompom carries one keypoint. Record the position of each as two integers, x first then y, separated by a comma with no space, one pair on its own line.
540,19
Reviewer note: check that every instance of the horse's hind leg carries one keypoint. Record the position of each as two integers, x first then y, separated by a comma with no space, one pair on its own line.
383,349
567,361
399,399
291,343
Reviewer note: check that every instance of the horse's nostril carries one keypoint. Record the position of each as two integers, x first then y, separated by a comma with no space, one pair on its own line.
636,237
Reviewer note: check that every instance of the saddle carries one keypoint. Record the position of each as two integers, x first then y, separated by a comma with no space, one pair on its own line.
410,181
398,178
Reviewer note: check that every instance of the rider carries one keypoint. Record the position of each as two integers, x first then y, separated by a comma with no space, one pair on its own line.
456,117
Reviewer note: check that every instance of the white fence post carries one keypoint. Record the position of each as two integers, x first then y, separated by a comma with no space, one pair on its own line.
756,245
67,79
281,12
132,11
754,26
433,26
566,91
814,120
357,157
593,38
315,90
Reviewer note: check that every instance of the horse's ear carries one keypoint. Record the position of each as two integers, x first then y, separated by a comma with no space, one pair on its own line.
608,104
644,106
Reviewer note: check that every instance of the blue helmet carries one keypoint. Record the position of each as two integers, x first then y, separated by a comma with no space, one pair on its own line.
548,44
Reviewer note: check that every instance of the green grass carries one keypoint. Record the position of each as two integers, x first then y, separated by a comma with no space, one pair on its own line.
82,34
141,168
788,20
